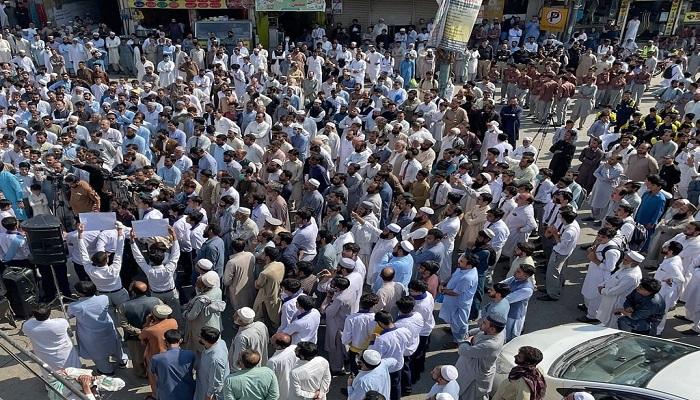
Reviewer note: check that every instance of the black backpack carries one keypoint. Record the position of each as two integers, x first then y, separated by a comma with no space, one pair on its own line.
668,72
613,247
639,237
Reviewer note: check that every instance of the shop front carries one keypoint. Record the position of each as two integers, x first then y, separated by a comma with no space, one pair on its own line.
276,19
396,13
657,18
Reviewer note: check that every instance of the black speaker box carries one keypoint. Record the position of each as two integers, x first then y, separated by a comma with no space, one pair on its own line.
21,290
45,240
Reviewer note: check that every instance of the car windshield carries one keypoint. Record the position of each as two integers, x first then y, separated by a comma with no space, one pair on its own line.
621,358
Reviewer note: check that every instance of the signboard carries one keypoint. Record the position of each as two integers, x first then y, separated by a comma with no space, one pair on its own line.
554,19
185,4
673,15
692,17
454,22
624,10
291,5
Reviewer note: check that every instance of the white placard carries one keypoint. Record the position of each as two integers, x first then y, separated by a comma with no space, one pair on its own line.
150,228
99,221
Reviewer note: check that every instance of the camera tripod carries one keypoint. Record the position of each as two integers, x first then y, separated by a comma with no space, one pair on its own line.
58,206
543,129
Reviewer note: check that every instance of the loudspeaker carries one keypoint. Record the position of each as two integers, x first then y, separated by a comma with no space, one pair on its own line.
45,240
21,290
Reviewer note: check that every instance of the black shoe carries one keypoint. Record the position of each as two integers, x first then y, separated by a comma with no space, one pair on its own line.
690,332
582,307
547,297
682,318
587,320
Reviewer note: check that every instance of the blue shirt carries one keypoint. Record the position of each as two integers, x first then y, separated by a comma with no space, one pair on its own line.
173,369
179,136
171,176
651,208
403,270
137,140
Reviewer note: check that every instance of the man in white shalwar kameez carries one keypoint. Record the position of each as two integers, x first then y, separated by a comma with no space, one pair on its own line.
357,68
78,54
5,50
603,256
50,339
690,240
670,274
521,222
614,291
692,302
166,71
283,361
374,61
385,241
112,42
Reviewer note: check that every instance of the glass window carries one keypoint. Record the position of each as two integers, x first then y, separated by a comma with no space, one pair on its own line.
621,358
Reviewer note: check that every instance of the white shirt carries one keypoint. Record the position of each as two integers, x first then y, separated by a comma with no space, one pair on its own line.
568,239
106,278
106,241
283,362
152,214
183,234
304,326
409,171
414,323
89,237
425,308
288,310
393,344
51,343
501,231
308,377
161,278
357,328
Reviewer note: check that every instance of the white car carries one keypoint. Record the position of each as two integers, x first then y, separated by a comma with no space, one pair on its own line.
609,363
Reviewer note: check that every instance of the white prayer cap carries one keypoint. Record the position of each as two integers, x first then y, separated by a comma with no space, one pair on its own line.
367,205
371,357
444,396
407,246
449,372
205,265
419,233
393,228
486,176
134,127
582,396
426,210
455,130
429,140
313,182
489,233
162,311
278,162
636,256
527,139
493,123
420,120
273,221
210,279
243,210
348,263
246,315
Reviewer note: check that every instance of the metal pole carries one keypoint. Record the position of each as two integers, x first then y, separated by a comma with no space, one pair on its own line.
573,11
70,385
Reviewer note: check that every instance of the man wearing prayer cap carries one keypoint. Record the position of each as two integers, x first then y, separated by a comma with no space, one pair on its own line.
477,358
252,335
383,245
312,199
153,336
615,289
445,377
373,375
365,229
421,220
402,263
204,309
203,266
243,228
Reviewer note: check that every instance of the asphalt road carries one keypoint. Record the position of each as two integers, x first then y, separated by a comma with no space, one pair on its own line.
540,315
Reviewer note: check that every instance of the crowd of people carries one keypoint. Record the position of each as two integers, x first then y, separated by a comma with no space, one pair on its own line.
329,194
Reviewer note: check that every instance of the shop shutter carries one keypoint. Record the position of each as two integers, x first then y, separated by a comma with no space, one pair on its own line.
354,9
425,9
394,12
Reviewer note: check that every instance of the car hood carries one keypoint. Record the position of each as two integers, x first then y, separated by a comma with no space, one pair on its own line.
681,375
553,343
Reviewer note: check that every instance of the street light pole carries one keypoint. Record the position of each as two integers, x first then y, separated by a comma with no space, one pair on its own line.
574,7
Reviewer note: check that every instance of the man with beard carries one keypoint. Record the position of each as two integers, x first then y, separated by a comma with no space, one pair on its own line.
432,250
472,192
312,199
459,293
485,254
364,231
679,215
520,222
524,378
477,358
384,244
421,220
563,152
